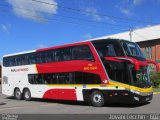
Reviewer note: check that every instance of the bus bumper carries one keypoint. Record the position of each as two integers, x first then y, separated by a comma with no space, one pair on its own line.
122,96
126,96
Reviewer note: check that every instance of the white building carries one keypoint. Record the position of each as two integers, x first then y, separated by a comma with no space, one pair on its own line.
138,35
148,39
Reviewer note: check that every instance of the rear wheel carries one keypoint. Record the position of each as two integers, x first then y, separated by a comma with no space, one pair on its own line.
97,99
27,95
17,94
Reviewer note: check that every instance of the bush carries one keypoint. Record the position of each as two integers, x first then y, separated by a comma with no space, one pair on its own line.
155,79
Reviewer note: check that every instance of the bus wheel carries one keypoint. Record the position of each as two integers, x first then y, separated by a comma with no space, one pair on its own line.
17,94
97,99
27,95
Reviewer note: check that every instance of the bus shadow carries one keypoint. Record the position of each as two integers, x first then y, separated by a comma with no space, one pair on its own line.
64,102
2,103
127,105
79,103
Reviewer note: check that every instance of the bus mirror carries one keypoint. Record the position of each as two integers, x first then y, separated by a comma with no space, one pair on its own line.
154,63
132,61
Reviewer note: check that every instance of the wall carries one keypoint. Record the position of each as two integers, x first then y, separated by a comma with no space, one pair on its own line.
0,73
155,49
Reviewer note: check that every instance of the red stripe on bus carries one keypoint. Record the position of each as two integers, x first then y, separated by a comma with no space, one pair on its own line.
61,94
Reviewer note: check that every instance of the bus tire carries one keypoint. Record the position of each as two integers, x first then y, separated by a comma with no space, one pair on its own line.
17,94
27,95
97,99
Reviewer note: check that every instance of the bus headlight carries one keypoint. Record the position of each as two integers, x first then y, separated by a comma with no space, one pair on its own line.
133,91
136,98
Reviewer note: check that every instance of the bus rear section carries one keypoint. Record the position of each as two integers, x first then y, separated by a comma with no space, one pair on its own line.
60,73
95,71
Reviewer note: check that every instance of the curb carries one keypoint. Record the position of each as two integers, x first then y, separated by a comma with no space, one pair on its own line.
156,92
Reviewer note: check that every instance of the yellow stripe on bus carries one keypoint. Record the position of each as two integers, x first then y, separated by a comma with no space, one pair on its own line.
110,85
143,90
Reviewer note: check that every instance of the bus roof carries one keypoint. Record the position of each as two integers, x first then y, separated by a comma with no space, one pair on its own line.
56,47
47,48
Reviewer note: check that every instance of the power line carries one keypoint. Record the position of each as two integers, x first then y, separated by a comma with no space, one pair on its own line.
73,23
69,17
93,21
140,35
100,14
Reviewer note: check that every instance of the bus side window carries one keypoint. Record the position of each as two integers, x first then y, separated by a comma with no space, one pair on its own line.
58,55
78,77
90,78
20,60
63,78
12,61
6,62
31,58
86,78
50,78
32,79
110,51
82,53
42,57
38,58
75,56
66,52
54,79
49,56
46,56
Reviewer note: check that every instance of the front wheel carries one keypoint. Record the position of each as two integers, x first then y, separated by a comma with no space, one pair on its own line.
97,99
27,95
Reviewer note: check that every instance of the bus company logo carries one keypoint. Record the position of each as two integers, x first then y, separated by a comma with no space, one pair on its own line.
90,67
20,70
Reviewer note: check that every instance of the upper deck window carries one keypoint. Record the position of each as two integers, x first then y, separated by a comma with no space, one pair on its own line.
82,52
132,49
108,48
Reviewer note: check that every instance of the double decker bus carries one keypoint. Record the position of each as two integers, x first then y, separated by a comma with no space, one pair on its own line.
96,71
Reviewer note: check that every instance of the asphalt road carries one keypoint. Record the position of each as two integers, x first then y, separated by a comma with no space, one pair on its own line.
39,106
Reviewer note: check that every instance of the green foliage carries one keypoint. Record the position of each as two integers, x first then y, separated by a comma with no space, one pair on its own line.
155,79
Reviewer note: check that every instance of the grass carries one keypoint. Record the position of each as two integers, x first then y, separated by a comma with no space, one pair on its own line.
155,78
156,89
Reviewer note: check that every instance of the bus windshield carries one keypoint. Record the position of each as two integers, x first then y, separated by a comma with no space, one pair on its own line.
132,49
141,77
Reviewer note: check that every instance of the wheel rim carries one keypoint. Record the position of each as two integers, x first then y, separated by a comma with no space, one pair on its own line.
97,98
27,95
18,93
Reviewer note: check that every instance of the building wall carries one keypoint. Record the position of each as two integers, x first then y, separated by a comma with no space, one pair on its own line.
158,52
151,49
0,73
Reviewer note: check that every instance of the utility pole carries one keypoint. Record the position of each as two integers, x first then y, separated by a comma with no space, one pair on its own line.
130,34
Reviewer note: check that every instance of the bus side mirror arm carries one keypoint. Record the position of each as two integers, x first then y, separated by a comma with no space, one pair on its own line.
132,61
154,63
124,59
135,62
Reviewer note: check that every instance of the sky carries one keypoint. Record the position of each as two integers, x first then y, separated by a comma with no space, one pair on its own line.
33,24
